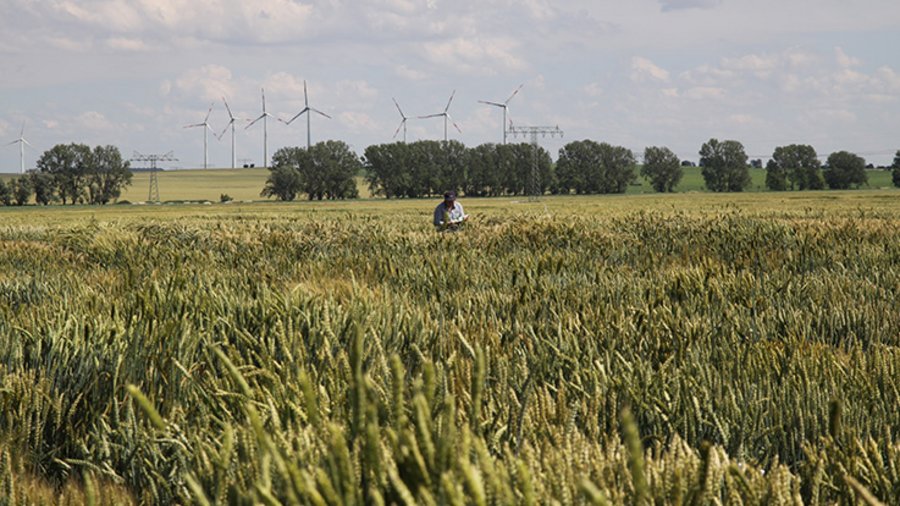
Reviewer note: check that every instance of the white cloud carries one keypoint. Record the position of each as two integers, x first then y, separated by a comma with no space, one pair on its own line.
673,5
408,73
744,119
843,59
70,45
593,90
261,21
704,93
707,75
642,69
475,55
93,120
127,44
670,92
358,121
540,9
800,58
356,89
760,65
209,82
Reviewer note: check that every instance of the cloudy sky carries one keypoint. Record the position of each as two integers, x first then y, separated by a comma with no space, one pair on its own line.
133,73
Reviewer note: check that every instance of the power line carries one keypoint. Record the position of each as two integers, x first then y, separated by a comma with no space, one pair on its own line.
534,190
153,159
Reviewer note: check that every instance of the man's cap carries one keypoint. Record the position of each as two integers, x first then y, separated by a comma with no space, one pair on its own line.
450,195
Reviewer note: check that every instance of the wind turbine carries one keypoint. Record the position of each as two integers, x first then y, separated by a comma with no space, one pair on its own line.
306,109
230,124
402,121
504,106
22,142
264,117
446,116
206,130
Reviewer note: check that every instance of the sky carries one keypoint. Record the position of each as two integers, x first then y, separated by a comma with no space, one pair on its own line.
637,73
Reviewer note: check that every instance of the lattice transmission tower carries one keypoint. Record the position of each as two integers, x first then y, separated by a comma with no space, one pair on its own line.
154,181
534,185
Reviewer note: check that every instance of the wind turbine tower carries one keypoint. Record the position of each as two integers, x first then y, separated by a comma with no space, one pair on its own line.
22,142
231,122
505,106
402,121
306,110
446,116
264,117
206,130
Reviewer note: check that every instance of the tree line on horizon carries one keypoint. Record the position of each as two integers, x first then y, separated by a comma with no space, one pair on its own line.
429,168
77,174
71,174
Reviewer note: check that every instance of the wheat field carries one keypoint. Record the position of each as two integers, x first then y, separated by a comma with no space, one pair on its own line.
676,349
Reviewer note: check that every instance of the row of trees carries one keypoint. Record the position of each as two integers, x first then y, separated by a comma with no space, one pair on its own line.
75,173
71,174
325,171
427,168
792,167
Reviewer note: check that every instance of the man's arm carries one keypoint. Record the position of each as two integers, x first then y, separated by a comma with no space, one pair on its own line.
461,217
438,216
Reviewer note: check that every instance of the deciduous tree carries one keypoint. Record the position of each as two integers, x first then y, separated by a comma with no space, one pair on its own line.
285,181
662,167
106,175
895,174
776,176
21,190
724,166
589,167
331,171
798,165
68,164
844,170
44,187
5,193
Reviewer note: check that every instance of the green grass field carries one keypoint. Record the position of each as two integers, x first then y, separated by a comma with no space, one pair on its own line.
690,348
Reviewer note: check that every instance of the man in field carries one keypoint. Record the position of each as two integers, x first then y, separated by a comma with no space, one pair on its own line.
449,214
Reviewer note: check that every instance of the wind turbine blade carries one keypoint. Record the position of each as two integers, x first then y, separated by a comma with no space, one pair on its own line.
432,115
254,121
26,142
451,100
195,125
454,123
11,143
288,122
398,128
492,103
264,99
226,129
22,132
514,93
398,109
305,95
229,109
320,112
208,112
